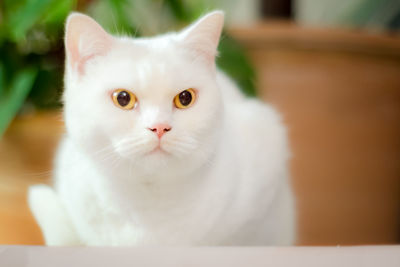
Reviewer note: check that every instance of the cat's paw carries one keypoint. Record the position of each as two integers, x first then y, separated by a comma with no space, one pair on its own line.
51,216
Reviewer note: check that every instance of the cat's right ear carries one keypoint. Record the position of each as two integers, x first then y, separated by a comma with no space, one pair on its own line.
84,40
203,35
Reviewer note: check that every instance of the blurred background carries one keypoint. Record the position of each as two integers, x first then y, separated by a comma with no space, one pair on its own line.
332,68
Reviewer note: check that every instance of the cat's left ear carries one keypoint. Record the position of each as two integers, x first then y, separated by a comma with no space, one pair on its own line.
203,35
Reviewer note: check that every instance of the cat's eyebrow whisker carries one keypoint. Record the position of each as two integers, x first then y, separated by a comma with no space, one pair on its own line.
136,31
114,23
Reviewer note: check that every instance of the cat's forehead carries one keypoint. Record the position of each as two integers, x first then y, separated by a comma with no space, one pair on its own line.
162,48
147,68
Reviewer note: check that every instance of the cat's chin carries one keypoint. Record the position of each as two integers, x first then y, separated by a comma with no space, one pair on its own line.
153,158
158,162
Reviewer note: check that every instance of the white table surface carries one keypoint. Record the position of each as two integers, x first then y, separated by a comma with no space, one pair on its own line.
38,256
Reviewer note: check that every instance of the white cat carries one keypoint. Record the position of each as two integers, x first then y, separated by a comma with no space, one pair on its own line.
161,148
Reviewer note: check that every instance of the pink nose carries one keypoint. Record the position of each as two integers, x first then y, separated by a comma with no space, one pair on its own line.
160,129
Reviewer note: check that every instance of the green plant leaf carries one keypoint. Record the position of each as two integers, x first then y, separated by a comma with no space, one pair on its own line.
233,60
25,17
178,9
58,11
11,102
2,80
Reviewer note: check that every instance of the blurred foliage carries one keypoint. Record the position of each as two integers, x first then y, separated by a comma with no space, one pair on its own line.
32,51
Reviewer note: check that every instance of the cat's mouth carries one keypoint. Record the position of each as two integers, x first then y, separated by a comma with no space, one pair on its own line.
157,150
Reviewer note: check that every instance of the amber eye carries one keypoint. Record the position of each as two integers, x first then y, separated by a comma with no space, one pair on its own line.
124,99
185,98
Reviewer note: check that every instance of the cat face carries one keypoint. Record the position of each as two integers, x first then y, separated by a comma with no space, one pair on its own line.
152,103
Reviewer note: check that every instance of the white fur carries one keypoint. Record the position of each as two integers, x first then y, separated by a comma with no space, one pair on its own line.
223,179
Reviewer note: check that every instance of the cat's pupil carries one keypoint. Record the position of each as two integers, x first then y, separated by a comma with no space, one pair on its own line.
123,98
185,98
